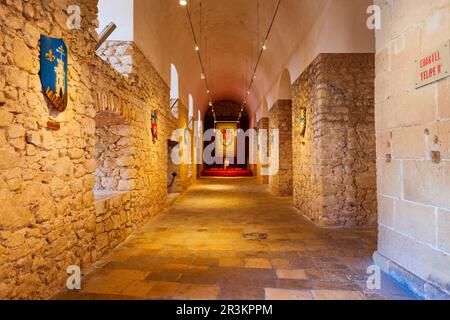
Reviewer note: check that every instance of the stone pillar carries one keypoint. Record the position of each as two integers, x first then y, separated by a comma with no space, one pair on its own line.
334,158
281,118
263,124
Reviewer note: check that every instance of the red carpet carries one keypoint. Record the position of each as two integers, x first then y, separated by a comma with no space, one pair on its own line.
227,173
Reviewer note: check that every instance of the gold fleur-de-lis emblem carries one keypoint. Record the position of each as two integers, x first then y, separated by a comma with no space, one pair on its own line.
49,55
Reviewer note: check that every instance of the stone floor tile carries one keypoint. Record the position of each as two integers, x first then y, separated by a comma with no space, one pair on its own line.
230,262
297,274
138,289
197,292
337,295
104,284
163,290
283,294
241,293
280,263
258,263
128,274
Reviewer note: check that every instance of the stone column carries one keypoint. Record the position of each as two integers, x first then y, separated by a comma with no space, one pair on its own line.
281,118
263,124
334,159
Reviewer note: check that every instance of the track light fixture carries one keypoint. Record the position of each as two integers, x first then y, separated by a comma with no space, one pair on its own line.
264,45
183,3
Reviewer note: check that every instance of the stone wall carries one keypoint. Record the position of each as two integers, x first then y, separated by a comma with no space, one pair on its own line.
263,124
413,149
334,162
280,118
112,150
49,219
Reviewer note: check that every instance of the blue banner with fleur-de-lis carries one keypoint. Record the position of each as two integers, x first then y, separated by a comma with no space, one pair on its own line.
54,71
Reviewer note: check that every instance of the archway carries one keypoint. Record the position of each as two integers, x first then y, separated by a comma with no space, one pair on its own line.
229,122
280,138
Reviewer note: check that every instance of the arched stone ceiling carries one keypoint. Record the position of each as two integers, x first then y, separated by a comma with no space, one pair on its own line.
302,29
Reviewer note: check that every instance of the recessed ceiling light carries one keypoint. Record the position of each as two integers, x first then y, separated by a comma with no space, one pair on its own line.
183,2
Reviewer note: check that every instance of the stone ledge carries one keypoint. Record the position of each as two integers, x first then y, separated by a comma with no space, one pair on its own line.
422,288
101,195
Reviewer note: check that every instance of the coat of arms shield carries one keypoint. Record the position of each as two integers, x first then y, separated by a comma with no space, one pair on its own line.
155,126
54,71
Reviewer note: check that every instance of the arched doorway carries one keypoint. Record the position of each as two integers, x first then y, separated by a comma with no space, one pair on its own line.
228,119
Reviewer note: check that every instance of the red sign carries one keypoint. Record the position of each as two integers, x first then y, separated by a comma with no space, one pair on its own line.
433,66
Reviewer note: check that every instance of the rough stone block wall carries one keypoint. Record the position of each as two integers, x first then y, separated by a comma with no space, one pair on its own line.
112,153
263,124
49,219
334,163
413,148
280,117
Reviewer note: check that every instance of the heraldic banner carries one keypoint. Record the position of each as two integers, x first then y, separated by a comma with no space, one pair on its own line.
54,71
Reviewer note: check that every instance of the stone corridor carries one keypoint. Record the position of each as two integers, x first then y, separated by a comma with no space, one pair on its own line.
232,239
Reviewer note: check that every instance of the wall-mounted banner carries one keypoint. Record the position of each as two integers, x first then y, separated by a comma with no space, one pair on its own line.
155,126
303,122
54,71
226,141
433,66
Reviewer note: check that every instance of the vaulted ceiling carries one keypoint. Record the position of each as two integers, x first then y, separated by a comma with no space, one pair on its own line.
230,44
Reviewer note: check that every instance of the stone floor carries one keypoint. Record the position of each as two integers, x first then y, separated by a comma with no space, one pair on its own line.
231,239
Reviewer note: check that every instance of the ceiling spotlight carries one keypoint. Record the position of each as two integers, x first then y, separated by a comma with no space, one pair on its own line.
254,76
264,45
210,104
197,48
202,75
207,91
248,93
183,3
